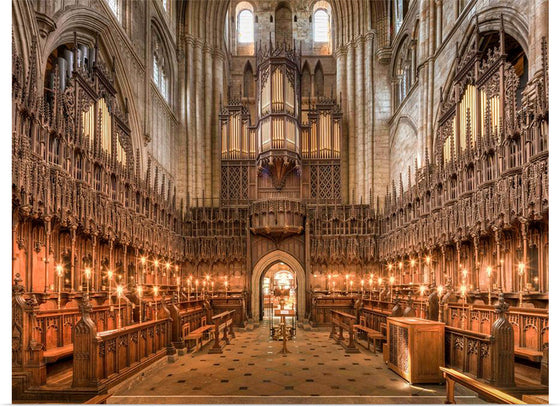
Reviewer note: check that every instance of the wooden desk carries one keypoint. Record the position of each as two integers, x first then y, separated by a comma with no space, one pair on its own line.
416,348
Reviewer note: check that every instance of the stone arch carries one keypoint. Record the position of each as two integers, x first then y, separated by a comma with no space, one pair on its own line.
262,266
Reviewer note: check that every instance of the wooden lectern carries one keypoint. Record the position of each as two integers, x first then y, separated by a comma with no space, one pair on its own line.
416,348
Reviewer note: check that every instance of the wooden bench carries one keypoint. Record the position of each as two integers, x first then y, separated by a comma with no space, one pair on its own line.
485,391
54,354
371,334
344,321
198,336
528,353
223,322
100,399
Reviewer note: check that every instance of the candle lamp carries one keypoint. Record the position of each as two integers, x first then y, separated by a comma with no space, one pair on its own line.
178,288
212,289
334,287
87,273
226,285
119,295
140,290
391,282
362,284
196,288
440,291
110,277
156,290
59,273
351,286
370,287
489,273
521,271
346,285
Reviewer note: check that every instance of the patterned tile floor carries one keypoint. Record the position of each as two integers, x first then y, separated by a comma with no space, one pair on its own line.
252,371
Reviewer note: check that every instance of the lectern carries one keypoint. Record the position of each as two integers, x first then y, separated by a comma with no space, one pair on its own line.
416,348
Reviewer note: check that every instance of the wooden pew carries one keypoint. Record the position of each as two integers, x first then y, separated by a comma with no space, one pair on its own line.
200,336
485,391
344,321
223,322
469,352
530,325
370,334
187,316
104,359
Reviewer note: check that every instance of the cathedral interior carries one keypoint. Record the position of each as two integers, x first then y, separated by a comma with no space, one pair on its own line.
280,201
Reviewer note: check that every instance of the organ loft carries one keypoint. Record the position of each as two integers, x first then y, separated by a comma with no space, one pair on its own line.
215,200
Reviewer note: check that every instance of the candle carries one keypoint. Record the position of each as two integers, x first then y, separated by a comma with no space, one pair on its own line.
119,294
362,284
351,285
196,288
140,290
59,272
212,288
156,289
521,268
226,285
87,273
109,277
347,282
489,272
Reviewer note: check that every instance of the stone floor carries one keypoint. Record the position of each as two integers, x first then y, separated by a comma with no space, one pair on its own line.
252,371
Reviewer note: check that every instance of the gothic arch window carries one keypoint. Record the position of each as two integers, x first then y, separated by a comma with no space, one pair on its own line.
321,26
245,23
400,7
160,67
402,72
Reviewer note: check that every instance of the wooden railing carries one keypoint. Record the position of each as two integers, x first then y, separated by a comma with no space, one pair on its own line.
344,321
106,358
485,391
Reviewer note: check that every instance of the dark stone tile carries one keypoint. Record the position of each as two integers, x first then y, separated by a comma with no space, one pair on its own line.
305,368
193,369
367,359
251,364
170,374
351,380
181,381
225,381
248,374
197,388
309,380
216,364
266,381
355,363
320,363
153,388
243,388
341,368
231,368
288,387
335,387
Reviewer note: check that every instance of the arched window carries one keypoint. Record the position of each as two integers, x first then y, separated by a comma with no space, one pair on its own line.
160,72
245,31
321,26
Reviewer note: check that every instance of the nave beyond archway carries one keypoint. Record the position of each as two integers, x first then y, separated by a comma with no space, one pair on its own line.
251,371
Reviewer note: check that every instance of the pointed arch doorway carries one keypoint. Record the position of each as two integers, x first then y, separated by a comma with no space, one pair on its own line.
260,269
